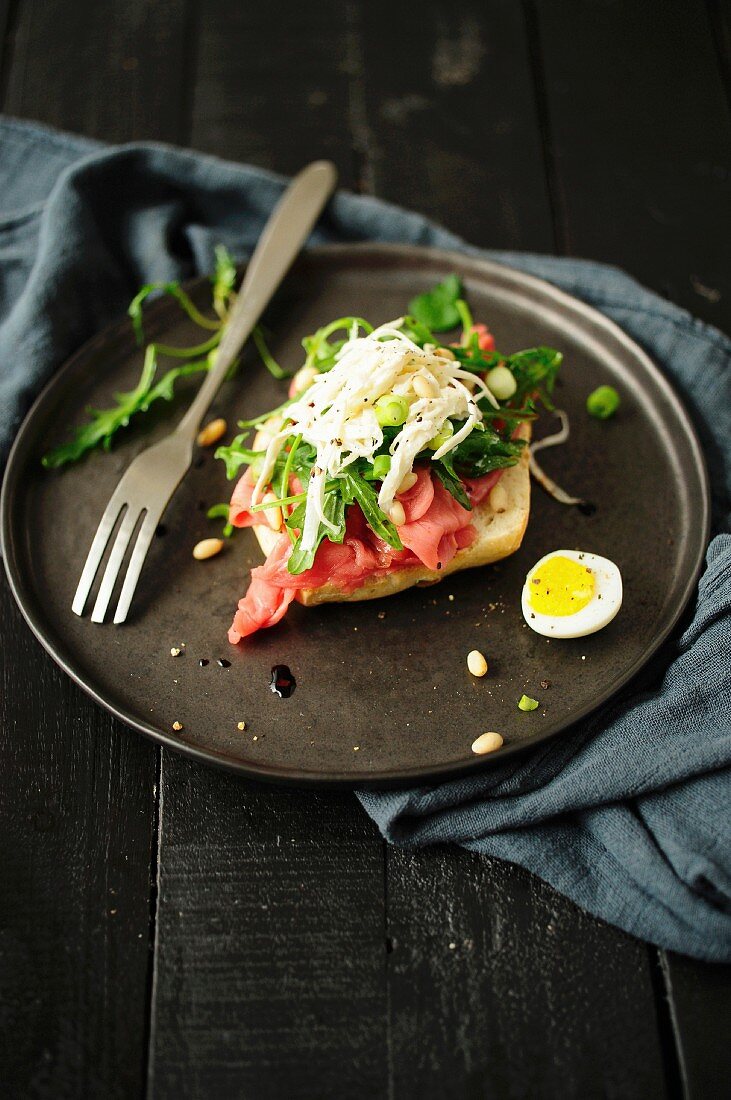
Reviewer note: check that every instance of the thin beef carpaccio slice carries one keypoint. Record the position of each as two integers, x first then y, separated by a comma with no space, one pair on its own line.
436,527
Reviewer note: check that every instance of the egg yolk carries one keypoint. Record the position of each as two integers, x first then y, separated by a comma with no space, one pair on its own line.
560,586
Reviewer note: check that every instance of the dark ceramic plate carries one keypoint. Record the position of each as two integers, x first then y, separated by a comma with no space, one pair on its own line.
383,694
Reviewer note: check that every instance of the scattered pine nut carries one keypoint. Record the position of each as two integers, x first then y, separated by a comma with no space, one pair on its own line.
409,482
304,377
207,548
177,725
273,516
498,498
424,387
476,663
211,433
241,725
487,742
396,514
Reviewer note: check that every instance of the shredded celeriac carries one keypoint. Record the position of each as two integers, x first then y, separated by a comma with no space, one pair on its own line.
539,474
336,414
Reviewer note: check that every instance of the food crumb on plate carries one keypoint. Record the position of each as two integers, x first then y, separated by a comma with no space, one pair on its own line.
175,651
241,725
177,725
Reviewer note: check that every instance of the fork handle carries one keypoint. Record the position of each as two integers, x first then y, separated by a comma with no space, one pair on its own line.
287,229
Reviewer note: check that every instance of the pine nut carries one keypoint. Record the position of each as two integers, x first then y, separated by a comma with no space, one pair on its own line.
487,742
397,514
304,377
424,387
207,548
211,433
498,498
409,482
273,516
446,353
476,663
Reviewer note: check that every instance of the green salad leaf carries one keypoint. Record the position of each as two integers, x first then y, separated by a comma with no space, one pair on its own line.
221,511
334,509
104,423
437,309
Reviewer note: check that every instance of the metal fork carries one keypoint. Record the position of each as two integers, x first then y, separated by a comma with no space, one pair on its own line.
152,478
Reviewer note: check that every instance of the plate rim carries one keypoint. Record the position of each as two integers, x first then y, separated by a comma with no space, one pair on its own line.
389,778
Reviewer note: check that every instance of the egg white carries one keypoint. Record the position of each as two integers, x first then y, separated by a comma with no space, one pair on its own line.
604,604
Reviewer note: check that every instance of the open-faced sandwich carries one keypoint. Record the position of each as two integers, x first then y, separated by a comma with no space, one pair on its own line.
398,459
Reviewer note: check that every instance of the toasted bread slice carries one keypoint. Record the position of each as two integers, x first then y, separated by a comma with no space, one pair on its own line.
498,535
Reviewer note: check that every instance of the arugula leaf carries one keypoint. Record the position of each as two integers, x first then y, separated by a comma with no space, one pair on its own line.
356,488
224,280
175,291
535,371
451,482
105,422
321,350
334,509
437,309
484,451
266,356
236,455
221,511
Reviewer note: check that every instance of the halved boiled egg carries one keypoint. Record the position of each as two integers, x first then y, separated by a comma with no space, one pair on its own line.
571,593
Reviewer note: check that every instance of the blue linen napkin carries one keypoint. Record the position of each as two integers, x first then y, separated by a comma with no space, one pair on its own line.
628,815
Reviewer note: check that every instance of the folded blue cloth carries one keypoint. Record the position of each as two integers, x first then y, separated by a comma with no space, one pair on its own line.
627,815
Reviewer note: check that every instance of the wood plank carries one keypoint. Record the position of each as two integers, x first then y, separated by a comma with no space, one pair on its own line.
79,791
269,976
270,962
640,161
76,816
640,140
498,986
699,1001
450,96
272,84
122,67
720,17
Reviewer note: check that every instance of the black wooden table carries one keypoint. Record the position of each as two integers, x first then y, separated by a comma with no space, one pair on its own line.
169,928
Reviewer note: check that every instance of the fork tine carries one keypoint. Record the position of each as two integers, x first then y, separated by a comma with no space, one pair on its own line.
137,560
96,551
113,565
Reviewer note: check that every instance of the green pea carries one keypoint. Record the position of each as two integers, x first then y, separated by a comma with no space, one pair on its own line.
445,432
391,410
603,402
381,466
